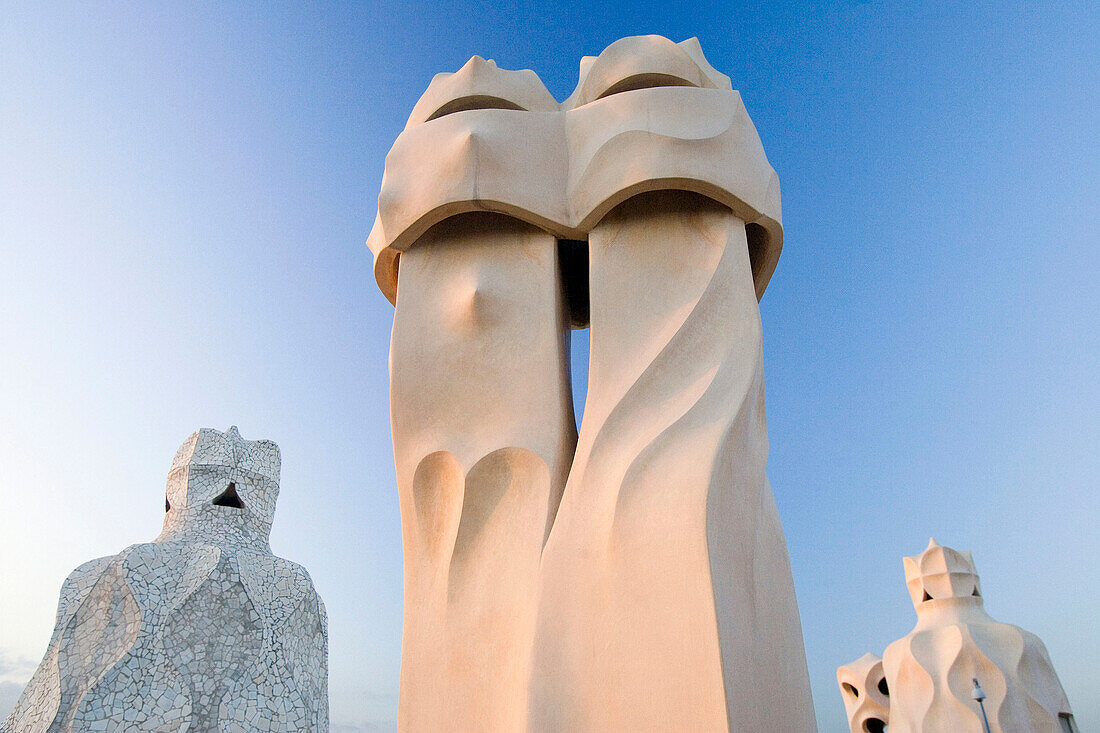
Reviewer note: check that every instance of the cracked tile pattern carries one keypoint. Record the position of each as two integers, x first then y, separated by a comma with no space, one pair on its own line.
201,630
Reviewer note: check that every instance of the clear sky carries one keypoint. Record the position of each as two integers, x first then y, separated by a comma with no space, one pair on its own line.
185,189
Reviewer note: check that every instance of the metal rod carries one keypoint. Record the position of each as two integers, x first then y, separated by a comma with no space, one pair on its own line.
979,696
985,720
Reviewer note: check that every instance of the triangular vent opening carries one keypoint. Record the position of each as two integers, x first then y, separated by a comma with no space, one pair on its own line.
926,596
229,498
167,505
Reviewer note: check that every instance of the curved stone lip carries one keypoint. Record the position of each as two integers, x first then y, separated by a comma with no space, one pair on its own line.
746,183
387,251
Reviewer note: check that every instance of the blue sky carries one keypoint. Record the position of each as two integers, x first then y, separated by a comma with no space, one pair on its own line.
185,190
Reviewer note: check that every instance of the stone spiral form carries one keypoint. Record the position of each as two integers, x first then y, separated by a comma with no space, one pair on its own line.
202,629
633,576
666,597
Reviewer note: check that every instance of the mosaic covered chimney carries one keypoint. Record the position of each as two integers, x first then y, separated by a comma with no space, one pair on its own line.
201,629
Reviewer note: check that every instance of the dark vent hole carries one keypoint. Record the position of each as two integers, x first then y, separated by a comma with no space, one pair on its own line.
976,593
883,688
850,689
167,505
229,498
573,261
926,597
874,725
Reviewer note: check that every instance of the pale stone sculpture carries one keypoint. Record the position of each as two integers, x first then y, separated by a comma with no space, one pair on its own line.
636,577
866,694
483,436
931,672
201,629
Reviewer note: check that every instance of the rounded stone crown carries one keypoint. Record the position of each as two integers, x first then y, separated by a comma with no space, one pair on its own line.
865,693
647,115
644,62
481,84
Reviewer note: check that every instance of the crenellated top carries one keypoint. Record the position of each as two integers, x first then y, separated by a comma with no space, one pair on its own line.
939,573
209,447
647,114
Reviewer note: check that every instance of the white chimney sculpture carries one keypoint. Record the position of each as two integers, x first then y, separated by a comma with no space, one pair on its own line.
633,576
931,673
201,629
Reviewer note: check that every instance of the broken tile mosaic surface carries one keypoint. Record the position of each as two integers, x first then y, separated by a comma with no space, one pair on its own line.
202,629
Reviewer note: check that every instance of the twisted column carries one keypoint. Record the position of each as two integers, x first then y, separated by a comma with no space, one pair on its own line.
667,601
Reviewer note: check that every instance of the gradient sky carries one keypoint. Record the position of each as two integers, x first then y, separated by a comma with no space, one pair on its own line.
185,189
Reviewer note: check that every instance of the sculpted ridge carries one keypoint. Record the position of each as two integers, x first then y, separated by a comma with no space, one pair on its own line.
648,114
